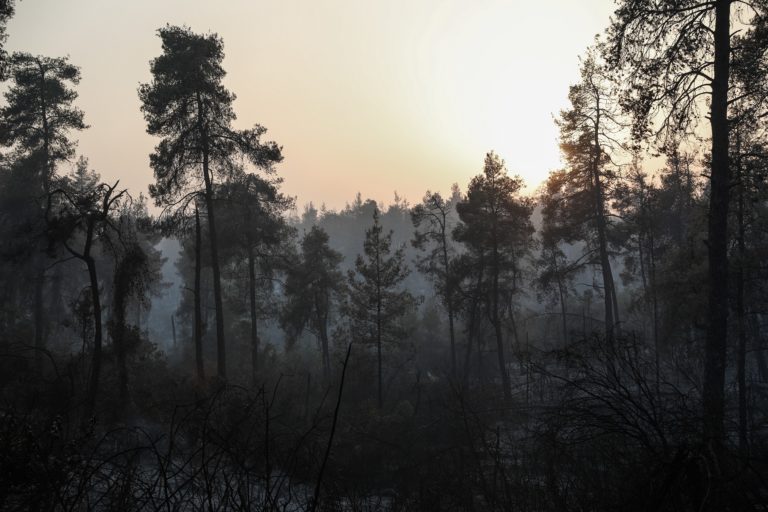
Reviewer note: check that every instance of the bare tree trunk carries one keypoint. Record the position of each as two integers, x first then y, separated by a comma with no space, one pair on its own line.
379,299
468,351
318,485
609,290
93,382
605,262
496,321
563,305
173,331
655,310
472,326
760,359
322,325
117,327
39,283
221,345
449,300
198,311
254,318
716,344
741,353
378,326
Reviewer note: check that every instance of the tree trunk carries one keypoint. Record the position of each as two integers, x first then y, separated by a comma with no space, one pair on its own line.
322,329
198,313
741,353
496,321
221,345
378,322
563,305
93,383
605,262
39,283
117,324
563,313
173,331
655,310
716,344
762,364
609,291
449,300
471,333
472,326
254,319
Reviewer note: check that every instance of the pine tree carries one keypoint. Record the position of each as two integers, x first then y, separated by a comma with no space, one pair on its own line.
313,290
588,132
377,301
432,223
188,106
497,232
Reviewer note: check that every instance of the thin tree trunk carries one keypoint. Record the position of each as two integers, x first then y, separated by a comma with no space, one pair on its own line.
322,329
614,301
221,345
563,305
496,321
378,321
655,310
39,283
468,351
760,359
605,263
117,324
716,344
318,485
198,312
93,383
449,299
609,292
472,327
254,319
741,354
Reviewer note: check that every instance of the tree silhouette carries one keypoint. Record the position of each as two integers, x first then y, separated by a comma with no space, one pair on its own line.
35,123
188,106
588,133
496,230
313,290
39,113
376,301
256,232
80,215
135,277
431,221
555,273
675,54
183,221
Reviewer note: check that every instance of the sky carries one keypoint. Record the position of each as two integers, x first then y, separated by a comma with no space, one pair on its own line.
369,96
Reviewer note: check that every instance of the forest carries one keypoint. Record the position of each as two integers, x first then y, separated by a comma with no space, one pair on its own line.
597,343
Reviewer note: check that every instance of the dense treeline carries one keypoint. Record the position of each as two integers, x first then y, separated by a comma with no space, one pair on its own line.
596,345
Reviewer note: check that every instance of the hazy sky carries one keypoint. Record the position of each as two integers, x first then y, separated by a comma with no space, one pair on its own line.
363,95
